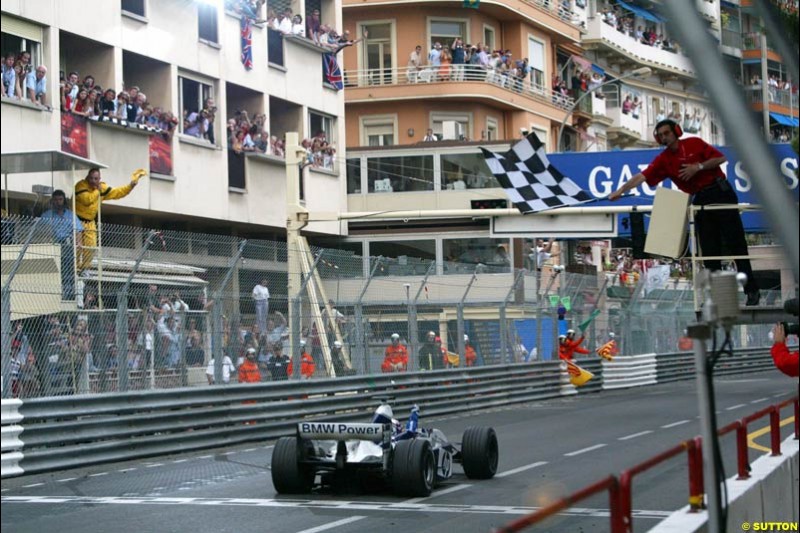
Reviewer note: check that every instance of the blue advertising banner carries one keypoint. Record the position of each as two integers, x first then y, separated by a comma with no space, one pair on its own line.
600,173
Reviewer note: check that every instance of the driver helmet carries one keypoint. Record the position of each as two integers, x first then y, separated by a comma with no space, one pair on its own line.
383,414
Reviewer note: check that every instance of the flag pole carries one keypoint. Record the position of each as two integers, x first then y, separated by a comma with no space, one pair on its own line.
584,202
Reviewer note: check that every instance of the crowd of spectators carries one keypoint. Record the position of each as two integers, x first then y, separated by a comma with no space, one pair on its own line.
649,35
22,80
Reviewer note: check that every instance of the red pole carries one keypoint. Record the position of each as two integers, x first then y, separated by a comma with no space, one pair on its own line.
742,460
625,503
775,430
695,474
615,505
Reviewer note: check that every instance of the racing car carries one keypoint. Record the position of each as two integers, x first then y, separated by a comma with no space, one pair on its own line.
411,460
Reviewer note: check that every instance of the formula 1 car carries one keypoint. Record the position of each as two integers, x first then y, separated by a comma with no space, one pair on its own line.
410,459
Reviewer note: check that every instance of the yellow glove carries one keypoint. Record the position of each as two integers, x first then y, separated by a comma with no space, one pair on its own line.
138,174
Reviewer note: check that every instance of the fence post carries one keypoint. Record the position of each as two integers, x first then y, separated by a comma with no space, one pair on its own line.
413,326
359,341
218,352
460,333
294,333
504,333
122,317
6,311
182,362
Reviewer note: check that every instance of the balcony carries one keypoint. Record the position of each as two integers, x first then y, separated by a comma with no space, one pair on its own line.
600,36
626,130
751,47
709,9
780,101
376,85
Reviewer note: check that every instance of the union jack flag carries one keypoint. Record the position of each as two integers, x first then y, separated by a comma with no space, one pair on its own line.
247,42
331,71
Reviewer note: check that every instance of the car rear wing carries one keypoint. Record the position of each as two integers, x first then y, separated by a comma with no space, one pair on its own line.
342,431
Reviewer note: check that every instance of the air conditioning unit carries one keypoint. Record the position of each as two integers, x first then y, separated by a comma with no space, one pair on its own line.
452,130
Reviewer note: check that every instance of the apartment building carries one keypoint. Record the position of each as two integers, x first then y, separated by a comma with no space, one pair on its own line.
185,55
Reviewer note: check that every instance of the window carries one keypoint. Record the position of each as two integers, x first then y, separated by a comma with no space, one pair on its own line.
400,174
536,55
207,22
377,49
461,256
378,130
488,37
451,126
407,258
135,7
274,47
445,31
20,36
354,176
317,122
491,129
193,95
466,171
657,109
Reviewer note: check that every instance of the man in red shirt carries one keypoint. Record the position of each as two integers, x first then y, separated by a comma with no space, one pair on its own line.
785,361
694,167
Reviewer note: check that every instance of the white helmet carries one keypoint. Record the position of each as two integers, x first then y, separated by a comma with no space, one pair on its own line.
562,337
383,414
337,344
302,342
612,334
395,335
466,338
570,332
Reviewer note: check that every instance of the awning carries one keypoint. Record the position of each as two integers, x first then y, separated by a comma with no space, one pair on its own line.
599,70
640,11
44,161
784,120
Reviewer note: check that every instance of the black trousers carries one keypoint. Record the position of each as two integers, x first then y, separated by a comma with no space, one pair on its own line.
715,228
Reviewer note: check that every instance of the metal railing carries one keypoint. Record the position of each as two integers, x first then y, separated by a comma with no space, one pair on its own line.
782,97
455,74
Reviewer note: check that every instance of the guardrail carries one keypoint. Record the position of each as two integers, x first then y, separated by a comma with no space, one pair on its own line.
11,445
74,431
632,371
680,365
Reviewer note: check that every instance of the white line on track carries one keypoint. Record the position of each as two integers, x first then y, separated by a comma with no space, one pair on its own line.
434,494
520,469
154,465
131,469
249,450
737,406
584,450
332,525
634,435
779,394
32,485
678,423
180,460
760,400
66,479
98,474
205,457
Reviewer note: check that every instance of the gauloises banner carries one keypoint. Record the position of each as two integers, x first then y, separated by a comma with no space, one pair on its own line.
74,139
160,155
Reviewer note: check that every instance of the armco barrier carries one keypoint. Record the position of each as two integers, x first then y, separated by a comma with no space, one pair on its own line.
74,431
11,445
67,432
680,365
629,371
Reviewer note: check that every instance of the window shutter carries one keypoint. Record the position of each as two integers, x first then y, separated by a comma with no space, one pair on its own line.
21,28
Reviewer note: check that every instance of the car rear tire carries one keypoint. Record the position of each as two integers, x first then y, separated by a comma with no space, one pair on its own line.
413,468
479,452
289,475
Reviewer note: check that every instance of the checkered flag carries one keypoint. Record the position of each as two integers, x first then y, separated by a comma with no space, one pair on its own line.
530,181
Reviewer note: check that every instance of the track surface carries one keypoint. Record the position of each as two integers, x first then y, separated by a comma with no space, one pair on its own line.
547,450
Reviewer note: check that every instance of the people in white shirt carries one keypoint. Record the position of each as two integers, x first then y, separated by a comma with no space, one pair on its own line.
227,369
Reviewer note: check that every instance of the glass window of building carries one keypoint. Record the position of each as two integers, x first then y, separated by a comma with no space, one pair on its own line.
354,176
320,123
466,171
488,37
445,31
20,36
403,258
207,22
536,55
193,94
451,126
400,174
134,6
462,256
492,129
377,50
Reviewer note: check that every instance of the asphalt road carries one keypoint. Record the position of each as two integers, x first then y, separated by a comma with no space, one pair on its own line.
547,450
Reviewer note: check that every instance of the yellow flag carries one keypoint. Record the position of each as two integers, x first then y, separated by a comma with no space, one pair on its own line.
453,358
577,375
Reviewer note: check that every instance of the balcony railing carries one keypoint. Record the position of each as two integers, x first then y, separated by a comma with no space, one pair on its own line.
557,9
752,41
631,47
455,74
732,38
780,97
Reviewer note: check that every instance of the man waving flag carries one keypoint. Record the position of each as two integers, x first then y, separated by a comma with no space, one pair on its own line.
530,181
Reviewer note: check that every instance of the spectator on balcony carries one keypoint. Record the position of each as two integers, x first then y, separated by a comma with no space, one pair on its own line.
429,136
459,58
24,60
445,62
262,142
297,26
196,124
66,99
9,76
636,107
627,105
639,35
88,82
75,82
36,86
312,26
83,105
415,63
435,56
285,22
108,105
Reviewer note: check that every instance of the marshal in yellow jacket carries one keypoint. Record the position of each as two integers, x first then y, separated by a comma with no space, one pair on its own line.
87,199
